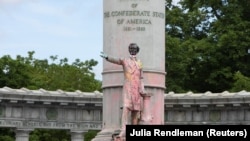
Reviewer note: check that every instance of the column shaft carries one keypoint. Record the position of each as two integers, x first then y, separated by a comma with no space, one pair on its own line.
77,136
22,134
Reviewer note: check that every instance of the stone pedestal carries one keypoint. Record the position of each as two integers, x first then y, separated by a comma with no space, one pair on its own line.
117,138
132,21
111,113
104,135
22,134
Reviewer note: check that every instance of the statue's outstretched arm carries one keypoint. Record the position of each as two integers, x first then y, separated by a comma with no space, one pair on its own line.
111,59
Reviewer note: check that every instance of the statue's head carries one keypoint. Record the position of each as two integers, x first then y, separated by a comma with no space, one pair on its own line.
133,49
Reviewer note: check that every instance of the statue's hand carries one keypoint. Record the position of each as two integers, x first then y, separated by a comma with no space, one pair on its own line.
143,92
103,55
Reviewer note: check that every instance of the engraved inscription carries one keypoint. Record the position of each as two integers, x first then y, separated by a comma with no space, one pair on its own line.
51,125
134,20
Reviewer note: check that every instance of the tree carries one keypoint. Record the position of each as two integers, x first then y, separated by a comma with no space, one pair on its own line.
13,73
33,73
241,82
49,135
214,37
7,134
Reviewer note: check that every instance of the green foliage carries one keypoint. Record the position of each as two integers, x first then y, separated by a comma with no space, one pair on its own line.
13,73
7,134
175,65
35,74
206,43
6,138
49,135
90,135
241,82
206,50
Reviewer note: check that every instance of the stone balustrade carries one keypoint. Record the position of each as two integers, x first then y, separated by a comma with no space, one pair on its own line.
207,108
25,110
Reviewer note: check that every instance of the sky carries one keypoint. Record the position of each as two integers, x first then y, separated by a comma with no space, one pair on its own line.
67,28
70,29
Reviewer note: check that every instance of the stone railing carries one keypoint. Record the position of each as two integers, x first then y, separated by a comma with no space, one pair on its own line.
207,108
26,110
81,107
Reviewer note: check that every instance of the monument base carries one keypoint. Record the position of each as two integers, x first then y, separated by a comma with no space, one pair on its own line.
116,137
104,135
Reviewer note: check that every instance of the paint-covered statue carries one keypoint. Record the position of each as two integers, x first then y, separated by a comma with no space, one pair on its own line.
133,87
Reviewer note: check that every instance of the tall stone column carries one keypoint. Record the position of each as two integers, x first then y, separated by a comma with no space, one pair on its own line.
132,21
77,135
22,134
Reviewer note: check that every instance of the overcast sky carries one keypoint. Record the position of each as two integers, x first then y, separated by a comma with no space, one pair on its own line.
70,29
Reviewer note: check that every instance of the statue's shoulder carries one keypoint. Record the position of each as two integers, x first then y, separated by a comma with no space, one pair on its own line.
125,59
139,63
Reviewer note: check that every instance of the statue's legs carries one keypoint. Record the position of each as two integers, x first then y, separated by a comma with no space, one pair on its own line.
134,120
135,115
125,114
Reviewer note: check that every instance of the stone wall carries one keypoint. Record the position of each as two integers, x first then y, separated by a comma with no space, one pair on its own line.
23,108
207,108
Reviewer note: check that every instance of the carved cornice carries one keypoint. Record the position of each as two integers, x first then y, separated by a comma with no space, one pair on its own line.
90,99
58,97
208,99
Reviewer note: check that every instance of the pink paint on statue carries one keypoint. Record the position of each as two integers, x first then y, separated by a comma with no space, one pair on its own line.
132,87
131,96
147,117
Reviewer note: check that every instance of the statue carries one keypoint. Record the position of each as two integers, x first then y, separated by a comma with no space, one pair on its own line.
133,87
